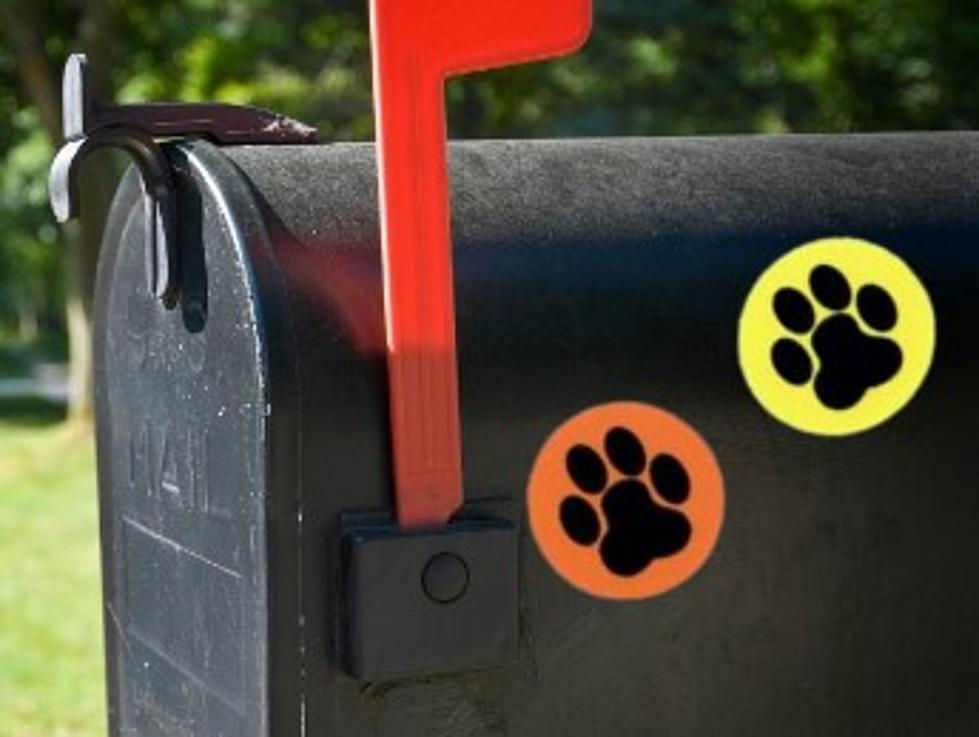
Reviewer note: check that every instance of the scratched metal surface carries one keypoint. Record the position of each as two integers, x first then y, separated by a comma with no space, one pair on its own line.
841,598
184,400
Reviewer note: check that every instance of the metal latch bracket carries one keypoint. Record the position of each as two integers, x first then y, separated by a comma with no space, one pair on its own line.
90,124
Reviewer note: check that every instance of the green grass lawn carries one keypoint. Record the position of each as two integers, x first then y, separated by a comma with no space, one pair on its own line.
51,671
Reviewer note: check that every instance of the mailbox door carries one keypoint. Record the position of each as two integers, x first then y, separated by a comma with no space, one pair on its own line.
197,431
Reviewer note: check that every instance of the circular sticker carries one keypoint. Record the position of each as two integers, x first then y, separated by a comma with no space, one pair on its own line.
836,337
625,501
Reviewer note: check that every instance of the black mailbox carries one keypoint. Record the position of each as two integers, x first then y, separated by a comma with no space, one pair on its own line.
244,460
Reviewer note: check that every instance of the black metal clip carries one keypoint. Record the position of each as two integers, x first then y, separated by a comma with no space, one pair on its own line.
90,124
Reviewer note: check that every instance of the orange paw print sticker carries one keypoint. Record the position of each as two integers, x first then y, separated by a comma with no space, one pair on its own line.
626,501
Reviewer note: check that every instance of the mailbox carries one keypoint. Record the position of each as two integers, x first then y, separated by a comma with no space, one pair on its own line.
716,400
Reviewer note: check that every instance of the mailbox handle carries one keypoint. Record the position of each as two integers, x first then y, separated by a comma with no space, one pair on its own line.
417,46
90,123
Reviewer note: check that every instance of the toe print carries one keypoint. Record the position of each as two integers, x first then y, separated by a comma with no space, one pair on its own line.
670,478
836,353
580,520
587,469
794,311
792,362
639,528
625,451
830,287
877,308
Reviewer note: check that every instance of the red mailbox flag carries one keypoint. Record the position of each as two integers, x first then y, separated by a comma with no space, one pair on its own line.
418,45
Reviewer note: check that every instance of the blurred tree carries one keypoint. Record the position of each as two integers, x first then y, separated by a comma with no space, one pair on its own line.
29,262
39,34
842,65
296,57
653,67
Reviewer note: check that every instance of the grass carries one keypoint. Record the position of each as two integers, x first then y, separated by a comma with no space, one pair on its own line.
51,670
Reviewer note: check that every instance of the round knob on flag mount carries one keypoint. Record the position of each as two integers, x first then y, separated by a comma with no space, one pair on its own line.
445,578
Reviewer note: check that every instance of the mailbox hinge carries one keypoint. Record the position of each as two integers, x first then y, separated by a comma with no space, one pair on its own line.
90,123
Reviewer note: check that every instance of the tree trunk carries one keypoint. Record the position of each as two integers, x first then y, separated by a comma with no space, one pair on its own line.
96,187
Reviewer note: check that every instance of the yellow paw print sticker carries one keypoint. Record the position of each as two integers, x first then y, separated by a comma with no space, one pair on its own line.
836,337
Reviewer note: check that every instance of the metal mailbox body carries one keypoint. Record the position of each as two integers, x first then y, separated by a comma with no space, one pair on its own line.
237,429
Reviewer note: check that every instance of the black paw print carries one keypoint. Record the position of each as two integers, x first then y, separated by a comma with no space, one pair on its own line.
851,361
638,528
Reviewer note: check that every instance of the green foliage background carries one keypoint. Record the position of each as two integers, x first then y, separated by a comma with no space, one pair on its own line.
652,68
51,671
